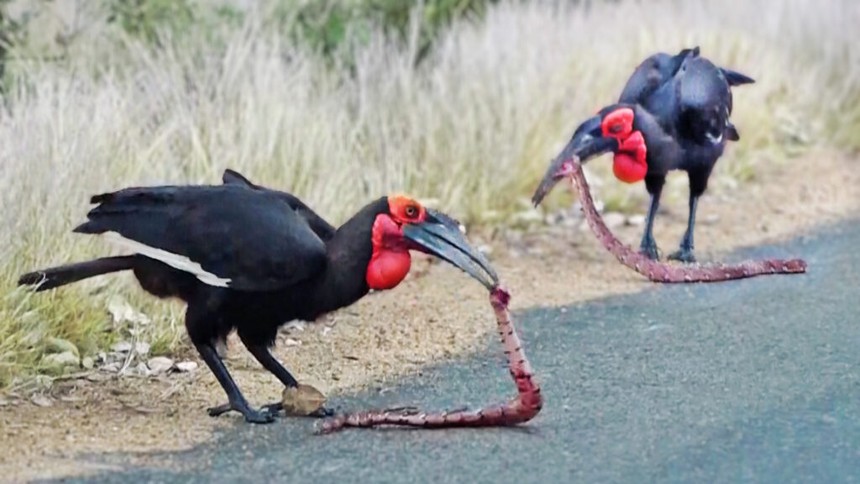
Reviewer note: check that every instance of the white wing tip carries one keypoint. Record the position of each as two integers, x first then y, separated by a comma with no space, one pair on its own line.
176,261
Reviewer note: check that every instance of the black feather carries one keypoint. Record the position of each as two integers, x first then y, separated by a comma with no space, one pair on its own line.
735,78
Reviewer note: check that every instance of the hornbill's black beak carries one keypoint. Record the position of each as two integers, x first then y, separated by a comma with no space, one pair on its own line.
587,142
440,235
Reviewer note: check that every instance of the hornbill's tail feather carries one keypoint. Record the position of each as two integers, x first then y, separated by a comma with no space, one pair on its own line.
60,276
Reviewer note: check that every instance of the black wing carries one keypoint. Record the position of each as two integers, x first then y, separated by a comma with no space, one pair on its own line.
323,229
687,93
651,74
226,235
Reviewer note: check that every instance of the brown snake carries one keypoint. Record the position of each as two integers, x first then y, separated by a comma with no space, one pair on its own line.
522,408
661,272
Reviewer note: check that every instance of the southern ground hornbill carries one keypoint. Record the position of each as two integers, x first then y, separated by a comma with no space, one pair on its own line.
673,114
248,258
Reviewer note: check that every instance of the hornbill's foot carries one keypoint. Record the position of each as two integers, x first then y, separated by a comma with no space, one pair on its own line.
261,416
650,251
683,255
322,412
278,407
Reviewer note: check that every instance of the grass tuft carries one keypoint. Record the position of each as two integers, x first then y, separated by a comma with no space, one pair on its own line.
472,126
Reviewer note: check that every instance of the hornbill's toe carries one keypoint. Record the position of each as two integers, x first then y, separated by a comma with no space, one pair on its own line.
278,407
650,251
322,412
262,416
683,256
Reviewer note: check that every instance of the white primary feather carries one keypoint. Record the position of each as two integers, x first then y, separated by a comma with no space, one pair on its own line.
176,261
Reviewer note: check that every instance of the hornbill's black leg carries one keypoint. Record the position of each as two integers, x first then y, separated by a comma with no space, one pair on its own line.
685,254
237,400
698,184
648,247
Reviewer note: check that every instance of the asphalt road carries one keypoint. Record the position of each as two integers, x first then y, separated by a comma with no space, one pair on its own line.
747,381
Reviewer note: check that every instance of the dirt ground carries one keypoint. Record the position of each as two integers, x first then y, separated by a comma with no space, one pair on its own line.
392,334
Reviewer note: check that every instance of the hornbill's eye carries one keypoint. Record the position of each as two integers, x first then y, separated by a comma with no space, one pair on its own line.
411,211
616,128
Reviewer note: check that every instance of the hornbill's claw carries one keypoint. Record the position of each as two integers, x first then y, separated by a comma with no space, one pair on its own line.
278,407
650,251
252,416
683,256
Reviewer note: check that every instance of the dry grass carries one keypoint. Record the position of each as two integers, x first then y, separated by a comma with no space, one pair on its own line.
472,128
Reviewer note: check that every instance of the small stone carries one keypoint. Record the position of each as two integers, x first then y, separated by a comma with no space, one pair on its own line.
636,220
112,367
121,347
58,362
142,369
159,364
295,325
613,219
142,348
121,311
98,377
186,366
88,363
292,342
41,401
571,222
527,217
60,345
302,400
485,249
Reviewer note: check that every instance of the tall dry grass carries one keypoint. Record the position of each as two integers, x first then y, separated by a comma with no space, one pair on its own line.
472,127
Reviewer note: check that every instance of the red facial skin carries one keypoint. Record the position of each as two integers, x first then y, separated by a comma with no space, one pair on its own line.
629,164
390,260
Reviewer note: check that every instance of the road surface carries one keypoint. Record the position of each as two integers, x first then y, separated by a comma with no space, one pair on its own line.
747,381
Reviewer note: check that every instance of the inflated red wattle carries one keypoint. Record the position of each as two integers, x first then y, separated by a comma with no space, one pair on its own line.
388,264
387,269
630,162
626,169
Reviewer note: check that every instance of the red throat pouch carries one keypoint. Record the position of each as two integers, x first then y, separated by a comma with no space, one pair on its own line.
387,269
389,263
629,164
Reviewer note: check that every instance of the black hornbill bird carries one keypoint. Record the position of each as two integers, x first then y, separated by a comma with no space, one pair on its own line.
250,259
673,114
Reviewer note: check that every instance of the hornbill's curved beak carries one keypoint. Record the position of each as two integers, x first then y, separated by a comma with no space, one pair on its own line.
587,142
440,235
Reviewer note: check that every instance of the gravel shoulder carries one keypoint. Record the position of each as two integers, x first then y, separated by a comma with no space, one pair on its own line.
434,315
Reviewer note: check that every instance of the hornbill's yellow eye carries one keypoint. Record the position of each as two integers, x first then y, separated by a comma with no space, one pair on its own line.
405,210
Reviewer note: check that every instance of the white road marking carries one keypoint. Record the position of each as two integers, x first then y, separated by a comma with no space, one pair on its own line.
176,261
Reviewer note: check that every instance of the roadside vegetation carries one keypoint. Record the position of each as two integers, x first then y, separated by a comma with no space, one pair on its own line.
458,102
